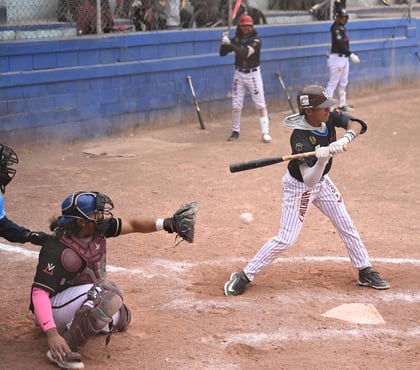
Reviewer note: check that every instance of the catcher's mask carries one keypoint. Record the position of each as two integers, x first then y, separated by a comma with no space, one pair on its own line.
85,203
7,159
313,97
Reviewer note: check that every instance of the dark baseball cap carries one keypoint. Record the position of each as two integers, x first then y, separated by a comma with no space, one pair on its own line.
314,96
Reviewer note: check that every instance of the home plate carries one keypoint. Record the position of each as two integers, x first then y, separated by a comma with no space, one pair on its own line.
357,313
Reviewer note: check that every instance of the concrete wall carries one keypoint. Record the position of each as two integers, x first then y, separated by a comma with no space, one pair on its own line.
96,86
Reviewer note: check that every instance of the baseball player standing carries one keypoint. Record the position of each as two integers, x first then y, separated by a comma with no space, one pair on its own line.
247,77
338,60
307,182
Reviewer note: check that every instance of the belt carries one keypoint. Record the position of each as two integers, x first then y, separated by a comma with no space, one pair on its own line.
246,70
342,55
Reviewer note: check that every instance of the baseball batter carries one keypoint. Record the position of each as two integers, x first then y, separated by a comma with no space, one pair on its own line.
307,182
71,298
247,77
338,60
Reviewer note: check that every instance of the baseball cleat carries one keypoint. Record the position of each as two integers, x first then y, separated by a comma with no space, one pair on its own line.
233,136
266,138
369,277
236,284
346,108
72,361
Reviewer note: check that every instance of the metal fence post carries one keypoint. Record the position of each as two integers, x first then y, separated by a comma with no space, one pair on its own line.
98,17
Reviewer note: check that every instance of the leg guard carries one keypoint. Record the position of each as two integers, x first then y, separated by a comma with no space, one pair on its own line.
125,319
104,300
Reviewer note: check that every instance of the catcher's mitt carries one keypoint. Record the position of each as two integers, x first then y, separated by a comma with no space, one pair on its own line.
183,222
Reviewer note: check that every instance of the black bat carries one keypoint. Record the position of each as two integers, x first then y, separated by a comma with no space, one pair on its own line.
285,91
257,163
197,107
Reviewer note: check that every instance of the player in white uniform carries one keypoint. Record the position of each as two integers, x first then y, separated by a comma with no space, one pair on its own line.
247,46
338,60
307,182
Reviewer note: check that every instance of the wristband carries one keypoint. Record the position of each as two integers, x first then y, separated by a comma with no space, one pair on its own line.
159,224
350,135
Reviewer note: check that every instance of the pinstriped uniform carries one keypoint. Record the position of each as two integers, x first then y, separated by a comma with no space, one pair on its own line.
297,200
298,197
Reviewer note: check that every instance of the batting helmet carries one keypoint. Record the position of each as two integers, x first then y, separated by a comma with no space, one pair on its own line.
245,20
82,204
314,96
341,13
7,159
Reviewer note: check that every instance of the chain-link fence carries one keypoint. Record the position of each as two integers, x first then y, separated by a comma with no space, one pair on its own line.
36,19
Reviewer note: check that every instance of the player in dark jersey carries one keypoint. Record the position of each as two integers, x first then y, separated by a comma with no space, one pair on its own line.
247,76
307,182
8,229
71,298
338,60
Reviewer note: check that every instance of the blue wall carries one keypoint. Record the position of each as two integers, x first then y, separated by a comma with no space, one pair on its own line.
96,86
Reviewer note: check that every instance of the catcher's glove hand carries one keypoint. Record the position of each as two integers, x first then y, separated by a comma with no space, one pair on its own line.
183,222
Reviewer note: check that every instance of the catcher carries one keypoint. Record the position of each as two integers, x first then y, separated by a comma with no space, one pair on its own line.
70,298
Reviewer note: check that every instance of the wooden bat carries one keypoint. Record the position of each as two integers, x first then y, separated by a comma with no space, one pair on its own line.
285,91
197,107
262,162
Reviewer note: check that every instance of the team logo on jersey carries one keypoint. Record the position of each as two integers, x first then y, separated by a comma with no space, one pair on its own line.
49,268
312,139
299,147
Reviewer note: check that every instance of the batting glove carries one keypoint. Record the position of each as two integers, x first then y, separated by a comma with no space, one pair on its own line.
323,153
225,40
339,146
354,58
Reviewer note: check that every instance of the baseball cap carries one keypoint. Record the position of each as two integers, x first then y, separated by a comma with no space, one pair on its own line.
314,96
77,205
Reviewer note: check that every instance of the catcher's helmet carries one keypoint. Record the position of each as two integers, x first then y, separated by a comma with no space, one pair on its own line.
7,159
83,203
245,20
314,96
342,13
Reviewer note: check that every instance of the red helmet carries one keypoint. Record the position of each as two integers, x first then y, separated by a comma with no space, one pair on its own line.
245,20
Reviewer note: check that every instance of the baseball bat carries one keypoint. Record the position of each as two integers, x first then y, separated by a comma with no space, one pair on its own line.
229,25
236,8
285,91
197,107
262,162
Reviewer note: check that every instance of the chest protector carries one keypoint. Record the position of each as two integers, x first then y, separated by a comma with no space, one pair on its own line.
94,255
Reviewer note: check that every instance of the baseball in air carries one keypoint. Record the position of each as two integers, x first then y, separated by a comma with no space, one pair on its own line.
246,218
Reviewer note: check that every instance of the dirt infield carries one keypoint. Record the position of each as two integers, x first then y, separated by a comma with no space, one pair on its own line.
181,319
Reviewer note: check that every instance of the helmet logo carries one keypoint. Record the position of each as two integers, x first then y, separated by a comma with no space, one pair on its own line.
304,100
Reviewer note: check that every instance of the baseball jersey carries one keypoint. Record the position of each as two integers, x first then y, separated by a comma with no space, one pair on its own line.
340,40
241,52
51,275
303,141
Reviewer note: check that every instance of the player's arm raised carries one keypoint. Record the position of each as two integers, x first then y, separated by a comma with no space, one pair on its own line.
355,127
